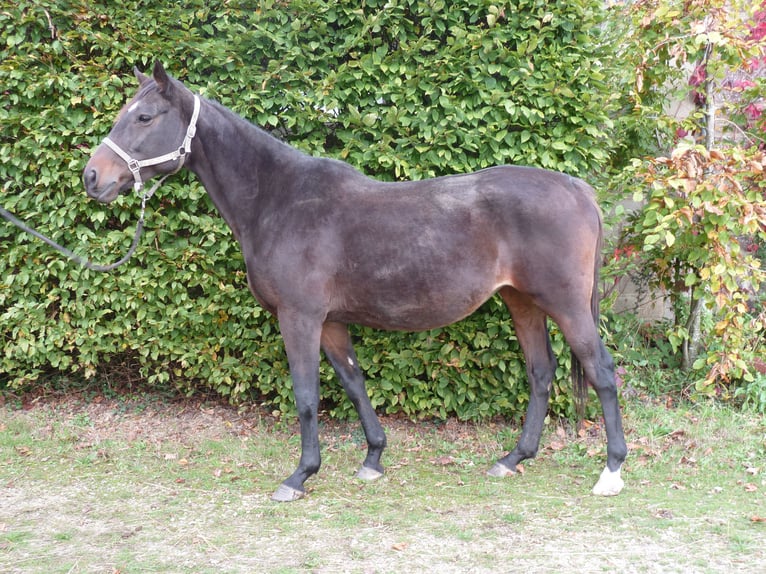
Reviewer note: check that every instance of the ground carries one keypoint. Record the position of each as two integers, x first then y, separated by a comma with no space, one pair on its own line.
96,484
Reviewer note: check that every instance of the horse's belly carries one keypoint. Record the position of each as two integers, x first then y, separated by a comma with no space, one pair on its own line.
408,306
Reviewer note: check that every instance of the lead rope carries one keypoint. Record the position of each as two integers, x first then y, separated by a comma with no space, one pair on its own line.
80,260
73,256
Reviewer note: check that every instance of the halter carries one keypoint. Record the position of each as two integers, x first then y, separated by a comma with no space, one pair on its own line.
135,165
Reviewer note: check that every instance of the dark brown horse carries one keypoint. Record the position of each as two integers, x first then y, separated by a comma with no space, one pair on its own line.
326,246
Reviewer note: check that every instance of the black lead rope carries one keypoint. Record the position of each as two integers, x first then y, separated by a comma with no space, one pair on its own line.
73,256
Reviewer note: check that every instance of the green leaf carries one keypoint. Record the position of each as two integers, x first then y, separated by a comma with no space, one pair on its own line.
670,239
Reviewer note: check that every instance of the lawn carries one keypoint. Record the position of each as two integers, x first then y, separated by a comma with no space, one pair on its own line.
144,484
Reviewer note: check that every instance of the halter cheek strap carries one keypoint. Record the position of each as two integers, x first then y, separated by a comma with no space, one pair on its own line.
135,165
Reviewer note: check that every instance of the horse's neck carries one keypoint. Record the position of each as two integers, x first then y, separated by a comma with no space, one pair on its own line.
238,164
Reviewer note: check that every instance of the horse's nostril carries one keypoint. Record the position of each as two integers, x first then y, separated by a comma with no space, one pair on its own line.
90,176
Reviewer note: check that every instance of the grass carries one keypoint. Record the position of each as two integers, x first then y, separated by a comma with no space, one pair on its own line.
89,487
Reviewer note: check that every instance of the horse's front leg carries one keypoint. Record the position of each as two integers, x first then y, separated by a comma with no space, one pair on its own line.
301,335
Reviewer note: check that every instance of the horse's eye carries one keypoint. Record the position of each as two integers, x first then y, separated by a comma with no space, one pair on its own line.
144,118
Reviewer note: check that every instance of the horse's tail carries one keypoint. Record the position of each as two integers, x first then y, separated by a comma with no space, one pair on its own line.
579,381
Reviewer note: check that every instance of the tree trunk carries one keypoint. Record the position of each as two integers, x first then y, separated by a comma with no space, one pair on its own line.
692,344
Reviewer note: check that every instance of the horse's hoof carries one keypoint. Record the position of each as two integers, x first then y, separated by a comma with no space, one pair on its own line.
609,483
369,474
287,494
499,470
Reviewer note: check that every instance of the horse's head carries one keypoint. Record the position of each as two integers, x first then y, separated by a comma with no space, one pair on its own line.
151,136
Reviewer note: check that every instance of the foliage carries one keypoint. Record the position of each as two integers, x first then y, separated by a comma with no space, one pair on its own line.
400,89
671,49
753,394
646,363
688,236
701,223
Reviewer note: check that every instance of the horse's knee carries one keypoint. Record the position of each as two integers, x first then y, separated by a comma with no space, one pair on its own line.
540,376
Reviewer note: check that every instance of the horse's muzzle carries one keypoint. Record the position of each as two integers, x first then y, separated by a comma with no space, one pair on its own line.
103,193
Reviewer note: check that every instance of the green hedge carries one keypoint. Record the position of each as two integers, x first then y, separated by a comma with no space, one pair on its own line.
400,89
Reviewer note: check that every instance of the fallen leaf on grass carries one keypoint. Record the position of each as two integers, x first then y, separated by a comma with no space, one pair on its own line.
587,424
758,518
218,472
642,449
23,451
443,461
750,487
400,546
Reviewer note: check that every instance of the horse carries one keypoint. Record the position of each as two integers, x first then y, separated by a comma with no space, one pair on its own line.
326,246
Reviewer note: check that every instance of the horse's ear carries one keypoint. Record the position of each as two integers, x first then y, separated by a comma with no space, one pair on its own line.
140,76
161,77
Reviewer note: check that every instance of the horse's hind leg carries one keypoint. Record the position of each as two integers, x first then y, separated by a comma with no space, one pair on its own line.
336,344
582,336
532,331
601,373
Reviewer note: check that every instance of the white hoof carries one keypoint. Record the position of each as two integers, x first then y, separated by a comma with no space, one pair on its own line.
287,494
609,483
369,474
499,470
